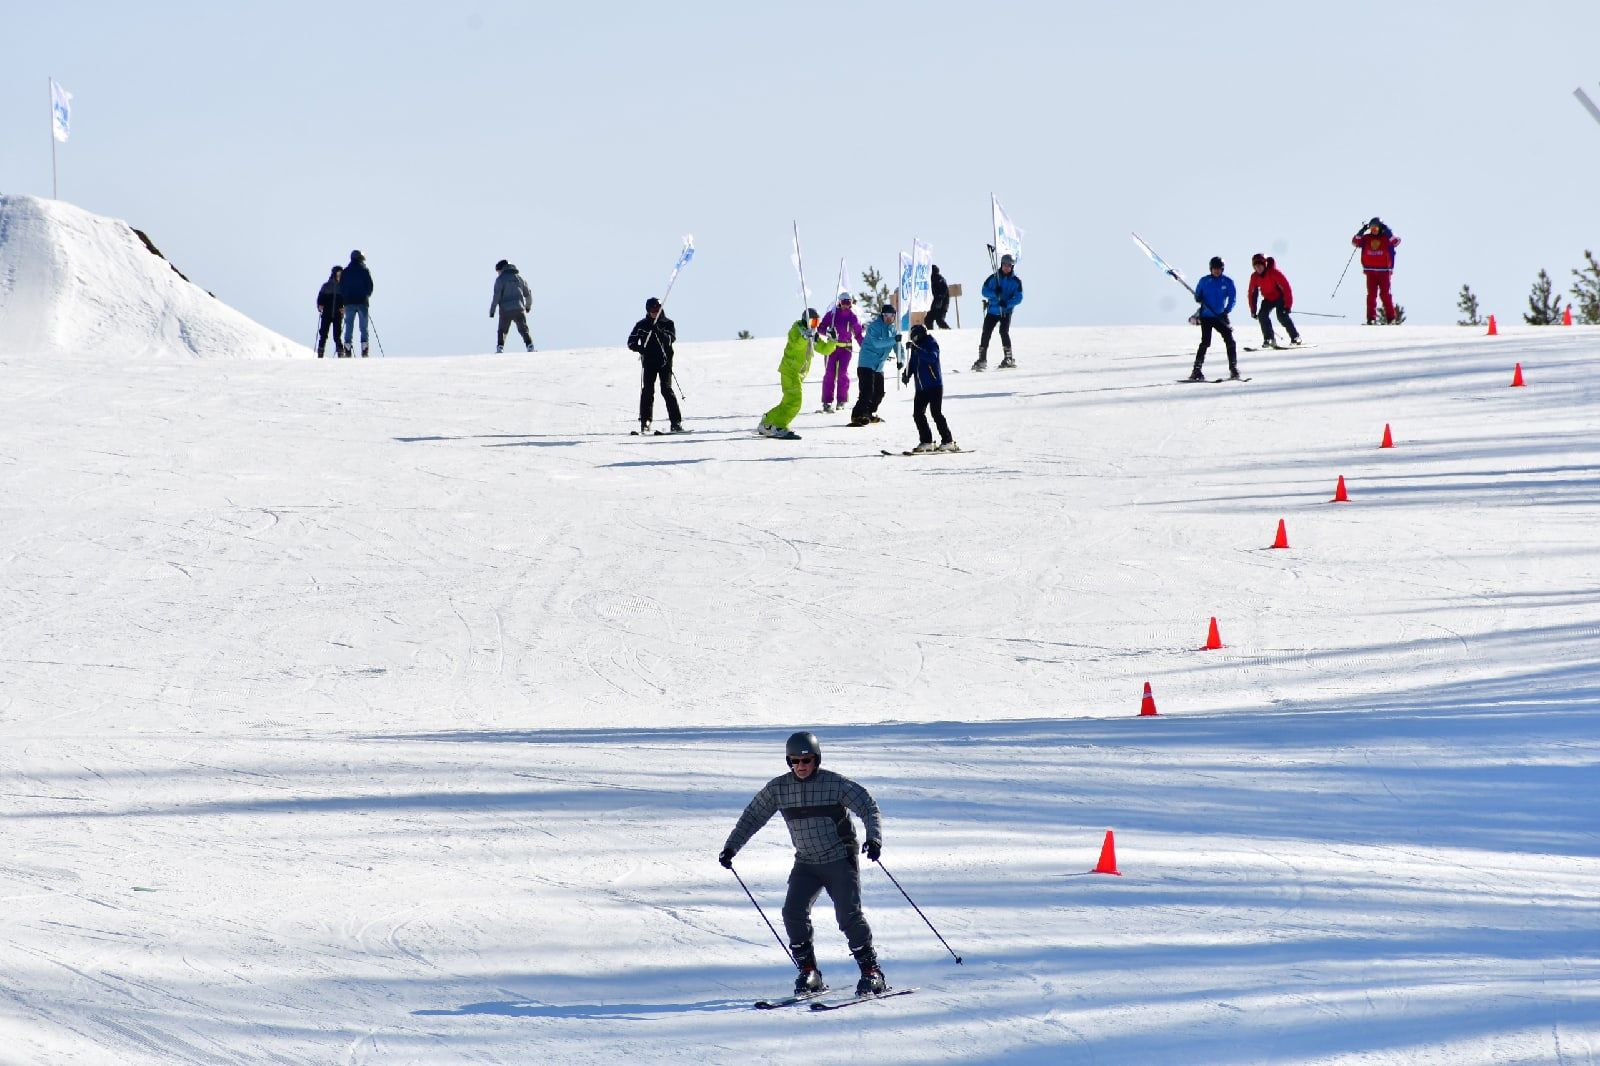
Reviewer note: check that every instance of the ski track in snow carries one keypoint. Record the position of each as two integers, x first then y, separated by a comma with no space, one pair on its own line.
396,711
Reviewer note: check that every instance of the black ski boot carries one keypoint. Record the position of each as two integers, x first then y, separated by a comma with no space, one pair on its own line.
982,364
363,349
1008,363
872,981
809,980
1198,374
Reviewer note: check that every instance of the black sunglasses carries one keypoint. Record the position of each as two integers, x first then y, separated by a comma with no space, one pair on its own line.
803,760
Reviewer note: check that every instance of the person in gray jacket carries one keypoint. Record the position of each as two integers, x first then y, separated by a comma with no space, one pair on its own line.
513,300
816,804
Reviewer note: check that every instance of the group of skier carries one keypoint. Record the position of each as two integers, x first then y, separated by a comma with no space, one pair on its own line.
343,299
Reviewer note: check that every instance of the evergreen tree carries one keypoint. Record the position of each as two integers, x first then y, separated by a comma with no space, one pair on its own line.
745,335
1399,316
1467,302
1586,291
876,293
1543,303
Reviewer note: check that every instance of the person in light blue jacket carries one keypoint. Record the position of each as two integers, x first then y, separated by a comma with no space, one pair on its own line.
1216,296
881,339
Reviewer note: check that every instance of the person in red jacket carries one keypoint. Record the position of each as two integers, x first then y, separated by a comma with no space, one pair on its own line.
1377,243
1268,282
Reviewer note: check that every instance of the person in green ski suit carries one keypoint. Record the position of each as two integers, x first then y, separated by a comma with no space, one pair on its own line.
804,341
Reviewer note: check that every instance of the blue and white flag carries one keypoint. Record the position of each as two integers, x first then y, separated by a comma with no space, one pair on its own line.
60,111
904,292
1007,237
683,261
921,276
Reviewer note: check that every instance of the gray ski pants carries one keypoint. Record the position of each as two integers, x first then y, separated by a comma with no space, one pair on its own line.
842,880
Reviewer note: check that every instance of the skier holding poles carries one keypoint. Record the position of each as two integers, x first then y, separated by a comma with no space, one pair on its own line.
1216,296
653,337
816,804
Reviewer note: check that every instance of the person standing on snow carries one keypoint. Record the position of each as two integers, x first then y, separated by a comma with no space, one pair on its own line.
1268,281
1216,296
1377,243
841,324
355,289
923,364
881,339
653,337
941,301
1001,295
803,341
513,300
816,804
330,309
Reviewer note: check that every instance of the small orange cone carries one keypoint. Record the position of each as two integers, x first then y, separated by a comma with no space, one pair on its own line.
1147,706
1108,857
1566,315
1388,438
1214,637
1282,540
1493,332
1339,494
1516,377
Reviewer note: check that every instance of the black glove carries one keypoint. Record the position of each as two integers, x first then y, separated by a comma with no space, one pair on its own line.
905,379
873,848
726,858
898,337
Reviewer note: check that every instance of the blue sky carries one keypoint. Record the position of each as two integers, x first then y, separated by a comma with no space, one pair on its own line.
258,143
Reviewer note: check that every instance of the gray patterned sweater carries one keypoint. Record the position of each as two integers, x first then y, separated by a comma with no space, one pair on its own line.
816,812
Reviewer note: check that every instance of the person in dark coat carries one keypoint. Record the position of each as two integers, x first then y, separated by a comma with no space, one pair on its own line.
513,300
653,337
923,365
330,309
355,289
941,302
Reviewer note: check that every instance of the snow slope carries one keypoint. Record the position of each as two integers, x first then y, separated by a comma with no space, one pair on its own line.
76,283
395,711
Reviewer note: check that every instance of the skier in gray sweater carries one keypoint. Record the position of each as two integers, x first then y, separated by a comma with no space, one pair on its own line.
816,804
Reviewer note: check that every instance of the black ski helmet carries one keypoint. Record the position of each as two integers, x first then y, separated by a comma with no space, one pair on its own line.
811,312
803,743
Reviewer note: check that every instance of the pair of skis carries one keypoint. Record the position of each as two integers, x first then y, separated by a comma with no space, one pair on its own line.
818,1003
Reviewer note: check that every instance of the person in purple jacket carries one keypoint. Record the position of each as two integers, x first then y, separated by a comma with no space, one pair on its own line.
840,323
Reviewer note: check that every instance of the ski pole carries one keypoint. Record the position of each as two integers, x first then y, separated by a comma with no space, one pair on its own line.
375,336
764,917
918,909
681,394
1318,314
1346,270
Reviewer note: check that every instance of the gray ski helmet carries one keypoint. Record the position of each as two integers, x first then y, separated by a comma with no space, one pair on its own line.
802,743
1007,261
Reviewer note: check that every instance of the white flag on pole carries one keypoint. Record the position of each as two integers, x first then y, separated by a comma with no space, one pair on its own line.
921,276
906,279
800,269
1007,237
843,286
683,261
60,111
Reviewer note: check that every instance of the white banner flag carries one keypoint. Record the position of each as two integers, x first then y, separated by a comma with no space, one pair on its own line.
60,111
921,276
843,287
683,260
800,269
1007,237
905,291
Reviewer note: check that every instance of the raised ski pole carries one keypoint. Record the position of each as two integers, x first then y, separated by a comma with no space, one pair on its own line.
1342,273
918,909
764,917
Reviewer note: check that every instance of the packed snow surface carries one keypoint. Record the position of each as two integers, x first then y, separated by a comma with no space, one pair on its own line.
76,283
395,711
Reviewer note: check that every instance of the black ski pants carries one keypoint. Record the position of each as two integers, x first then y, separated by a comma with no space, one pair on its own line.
510,316
930,400
1264,317
841,879
657,368
869,393
1207,324
989,322
936,313
330,321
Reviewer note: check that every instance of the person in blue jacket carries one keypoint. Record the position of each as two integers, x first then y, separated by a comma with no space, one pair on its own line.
355,289
923,364
881,339
1216,296
1001,295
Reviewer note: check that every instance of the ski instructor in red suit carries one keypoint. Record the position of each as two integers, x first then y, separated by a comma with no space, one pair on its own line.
1377,243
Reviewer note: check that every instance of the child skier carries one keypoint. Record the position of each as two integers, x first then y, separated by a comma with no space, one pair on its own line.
880,340
1268,281
815,804
1216,296
792,371
923,364
841,324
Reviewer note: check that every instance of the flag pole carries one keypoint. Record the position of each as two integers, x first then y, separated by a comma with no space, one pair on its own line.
50,92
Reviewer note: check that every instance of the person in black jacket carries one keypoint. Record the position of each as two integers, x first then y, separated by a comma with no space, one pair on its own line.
652,337
330,309
355,289
513,300
941,302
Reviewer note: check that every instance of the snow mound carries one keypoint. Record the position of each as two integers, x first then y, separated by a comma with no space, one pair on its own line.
73,283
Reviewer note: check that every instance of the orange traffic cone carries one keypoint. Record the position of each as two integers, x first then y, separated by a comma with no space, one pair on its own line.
1516,377
1388,438
1282,540
1493,332
1566,315
1147,706
1214,637
1339,494
1108,857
